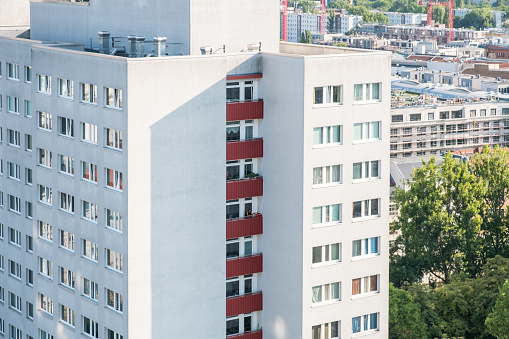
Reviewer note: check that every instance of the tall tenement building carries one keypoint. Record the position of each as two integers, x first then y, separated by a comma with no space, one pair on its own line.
215,183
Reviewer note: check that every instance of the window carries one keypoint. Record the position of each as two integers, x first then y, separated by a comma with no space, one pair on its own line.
327,95
365,247
493,111
234,286
2,299
89,211
44,121
1,231
113,139
367,92
28,109
431,116
45,231
483,113
114,179
28,176
366,170
415,117
45,158
66,202
327,254
44,335
456,114
66,277
28,143
114,301
65,88
326,215
12,105
46,268
30,244
2,326
14,302
327,175
1,199
114,260
90,328
30,277
44,83
113,97
367,131
29,209
12,71
365,285
114,220
13,171
14,269
88,93
66,165
397,118
89,133
67,240
90,250
328,135
46,303
89,172
45,195
110,334
66,127
239,246
15,333
30,311
13,138
14,203
365,323
14,237
28,74
90,289
330,330
444,115
366,208
67,315
326,293
241,90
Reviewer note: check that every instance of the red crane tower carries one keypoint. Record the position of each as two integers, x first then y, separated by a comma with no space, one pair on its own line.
285,20
450,14
322,16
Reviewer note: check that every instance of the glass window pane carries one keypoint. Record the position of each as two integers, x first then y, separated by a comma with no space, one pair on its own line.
374,206
335,212
373,321
356,324
317,294
374,169
356,248
318,95
357,131
317,176
357,207
357,170
232,250
374,245
335,290
357,92
375,91
336,174
317,215
336,94
335,252
317,136
248,248
356,286
334,332
336,137
375,130
317,254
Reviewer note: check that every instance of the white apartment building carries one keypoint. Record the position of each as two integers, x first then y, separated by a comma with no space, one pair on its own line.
348,22
238,190
299,23
396,18
423,130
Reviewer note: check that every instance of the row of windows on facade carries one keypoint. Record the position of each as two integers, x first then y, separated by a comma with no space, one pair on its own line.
89,329
88,92
448,115
450,142
451,128
333,135
334,94
332,214
361,324
331,292
88,132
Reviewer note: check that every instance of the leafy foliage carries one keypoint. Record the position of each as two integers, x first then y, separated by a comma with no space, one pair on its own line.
404,316
497,321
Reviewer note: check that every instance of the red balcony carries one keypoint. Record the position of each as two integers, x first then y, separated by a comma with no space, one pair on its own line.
248,264
247,335
244,110
243,227
244,188
244,149
244,304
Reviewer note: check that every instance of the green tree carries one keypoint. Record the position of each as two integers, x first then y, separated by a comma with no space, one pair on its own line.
404,316
306,5
305,37
478,18
340,44
492,167
497,321
331,22
439,15
439,217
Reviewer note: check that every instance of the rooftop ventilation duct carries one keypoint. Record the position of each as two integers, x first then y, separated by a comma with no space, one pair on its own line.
131,46
104,42
140,46
255,46
206,50
160,46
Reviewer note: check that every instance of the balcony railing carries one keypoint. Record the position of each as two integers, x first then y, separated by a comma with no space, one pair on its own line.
244,110
244,149
244,188
244,304
243,227
247,335
248,264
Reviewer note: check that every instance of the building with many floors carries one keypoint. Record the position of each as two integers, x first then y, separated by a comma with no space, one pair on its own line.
210,182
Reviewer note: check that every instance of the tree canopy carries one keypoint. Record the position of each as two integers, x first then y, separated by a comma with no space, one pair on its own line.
497,321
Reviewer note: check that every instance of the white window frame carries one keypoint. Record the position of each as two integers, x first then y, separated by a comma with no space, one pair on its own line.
30,312
67,241
365,286
14,236
29,210
328,98
368,132
324,136
89,211
28,176
242,85
93,289
94,328
44,121
12,71
43,84
326,172
67,315
365,247
13,171
28,74
326,217
113,98
112,334
45,231
365,322
66,278
114,220
45,195
323,294
90,250
28,109
114,260
88,133
45,268
366,93
66,203
65,88
45,304
326,252
14,269
45,335
88,93
15,333
66,127
366,171
29,277
113,180
15,302
13,138
246,246
13,105
66,165
366,209
28,143
113,139
92,170
114,301
45,158
14,203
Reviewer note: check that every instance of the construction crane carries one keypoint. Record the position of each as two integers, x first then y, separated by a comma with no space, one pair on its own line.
322,16
450,14
285,20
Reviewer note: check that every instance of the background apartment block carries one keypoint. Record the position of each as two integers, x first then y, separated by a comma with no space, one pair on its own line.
130,201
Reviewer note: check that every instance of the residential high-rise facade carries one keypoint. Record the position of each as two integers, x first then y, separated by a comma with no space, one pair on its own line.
125,212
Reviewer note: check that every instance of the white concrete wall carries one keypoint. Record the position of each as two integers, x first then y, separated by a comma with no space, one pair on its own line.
14,13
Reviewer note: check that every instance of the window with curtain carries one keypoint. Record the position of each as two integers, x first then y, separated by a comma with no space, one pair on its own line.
327,214
367,92
327,135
